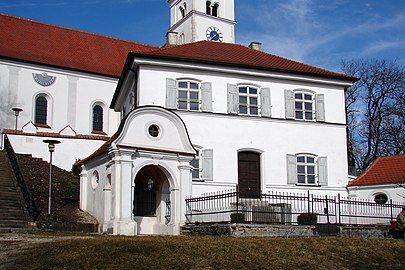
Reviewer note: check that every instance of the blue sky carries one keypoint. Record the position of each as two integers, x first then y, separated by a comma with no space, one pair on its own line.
316,32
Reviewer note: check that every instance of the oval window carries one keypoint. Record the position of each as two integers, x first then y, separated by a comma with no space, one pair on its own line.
153,130
381,198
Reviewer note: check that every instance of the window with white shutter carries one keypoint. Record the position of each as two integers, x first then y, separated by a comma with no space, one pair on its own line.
307,169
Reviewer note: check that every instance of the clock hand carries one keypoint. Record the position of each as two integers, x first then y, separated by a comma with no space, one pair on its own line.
214,36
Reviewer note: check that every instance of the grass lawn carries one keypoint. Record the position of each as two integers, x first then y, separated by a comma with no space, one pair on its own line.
204,252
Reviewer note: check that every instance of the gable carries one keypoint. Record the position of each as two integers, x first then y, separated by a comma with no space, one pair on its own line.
156,129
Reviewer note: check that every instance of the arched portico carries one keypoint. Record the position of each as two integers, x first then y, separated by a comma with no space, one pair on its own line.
151,198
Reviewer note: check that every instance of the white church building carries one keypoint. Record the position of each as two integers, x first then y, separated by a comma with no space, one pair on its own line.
199,115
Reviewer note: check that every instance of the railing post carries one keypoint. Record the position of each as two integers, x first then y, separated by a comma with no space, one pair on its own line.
309,203
327,209
340,221
237,200
392,214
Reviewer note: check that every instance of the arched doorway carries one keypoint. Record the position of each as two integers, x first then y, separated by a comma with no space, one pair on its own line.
249,174
150,192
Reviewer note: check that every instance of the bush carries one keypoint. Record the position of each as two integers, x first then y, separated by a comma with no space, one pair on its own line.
307,219
237,217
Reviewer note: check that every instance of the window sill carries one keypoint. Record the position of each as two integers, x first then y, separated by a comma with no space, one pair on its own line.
98,132
308,185
42,125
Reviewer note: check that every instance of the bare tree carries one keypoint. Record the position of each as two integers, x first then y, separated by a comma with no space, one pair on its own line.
375,108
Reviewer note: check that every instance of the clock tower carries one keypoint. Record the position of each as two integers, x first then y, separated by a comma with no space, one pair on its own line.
195,20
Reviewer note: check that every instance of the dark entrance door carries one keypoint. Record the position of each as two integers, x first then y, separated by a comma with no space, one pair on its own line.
249,174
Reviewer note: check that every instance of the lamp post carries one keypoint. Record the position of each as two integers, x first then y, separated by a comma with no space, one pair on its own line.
51,148
16,111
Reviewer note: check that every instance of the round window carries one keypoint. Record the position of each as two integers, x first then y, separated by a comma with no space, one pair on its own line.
381,198
153,130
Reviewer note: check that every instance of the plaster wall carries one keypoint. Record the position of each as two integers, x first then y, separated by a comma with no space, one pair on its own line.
396,194
152,90
65,107
273,137
65,153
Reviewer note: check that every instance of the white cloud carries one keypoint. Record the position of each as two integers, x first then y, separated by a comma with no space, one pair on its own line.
380,46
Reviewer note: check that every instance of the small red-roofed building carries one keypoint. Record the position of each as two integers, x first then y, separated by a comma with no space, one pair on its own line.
382,182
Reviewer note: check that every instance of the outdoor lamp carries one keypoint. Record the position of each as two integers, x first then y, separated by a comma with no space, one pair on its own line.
16,111
51,148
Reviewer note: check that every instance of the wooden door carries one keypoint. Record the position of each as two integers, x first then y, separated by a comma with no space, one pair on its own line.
249,174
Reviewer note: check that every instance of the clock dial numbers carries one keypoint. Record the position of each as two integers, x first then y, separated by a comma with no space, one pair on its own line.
214,34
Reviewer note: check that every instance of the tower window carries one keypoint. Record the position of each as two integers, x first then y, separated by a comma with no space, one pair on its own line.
182,12
215,10
41,110
208,7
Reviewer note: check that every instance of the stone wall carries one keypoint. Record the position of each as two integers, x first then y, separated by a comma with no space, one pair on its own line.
250,230
363,231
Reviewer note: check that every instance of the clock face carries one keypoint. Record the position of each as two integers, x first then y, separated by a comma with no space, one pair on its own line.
214,34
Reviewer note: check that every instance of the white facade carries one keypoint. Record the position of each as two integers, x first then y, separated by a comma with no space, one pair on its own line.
71,97
393,192
219,133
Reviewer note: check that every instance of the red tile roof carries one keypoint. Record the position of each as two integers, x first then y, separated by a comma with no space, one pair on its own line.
37,42
385,170
238,55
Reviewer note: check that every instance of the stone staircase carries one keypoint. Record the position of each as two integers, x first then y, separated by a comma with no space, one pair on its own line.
12,208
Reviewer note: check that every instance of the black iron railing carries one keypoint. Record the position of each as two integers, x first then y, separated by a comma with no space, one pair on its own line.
284,208
168,211
28,199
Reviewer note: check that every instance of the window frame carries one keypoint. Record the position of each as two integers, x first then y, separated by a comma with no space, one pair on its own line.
49,110
249,96
188,100
380,201
96,116
306,165
303,102
104,120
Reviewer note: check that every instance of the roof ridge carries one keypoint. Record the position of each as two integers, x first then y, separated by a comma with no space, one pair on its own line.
295,61
73,29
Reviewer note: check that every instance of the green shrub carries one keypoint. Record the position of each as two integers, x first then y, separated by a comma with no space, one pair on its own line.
307,219
237,217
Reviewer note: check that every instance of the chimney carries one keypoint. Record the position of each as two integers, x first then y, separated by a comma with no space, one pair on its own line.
255,45
171,39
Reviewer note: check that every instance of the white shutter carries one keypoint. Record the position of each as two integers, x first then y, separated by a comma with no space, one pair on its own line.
323,171
207,164
171,94
206,97
320,107
233,103
289,104
291,169
265,102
